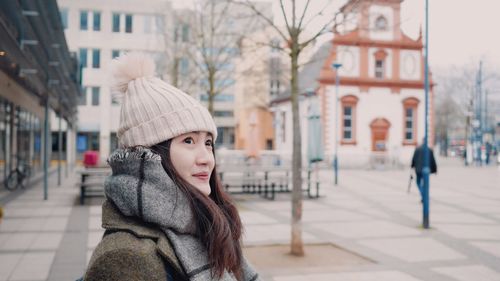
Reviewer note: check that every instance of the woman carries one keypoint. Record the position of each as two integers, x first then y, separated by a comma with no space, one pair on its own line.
166,216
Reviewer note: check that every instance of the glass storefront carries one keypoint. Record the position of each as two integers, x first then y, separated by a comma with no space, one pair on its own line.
20,138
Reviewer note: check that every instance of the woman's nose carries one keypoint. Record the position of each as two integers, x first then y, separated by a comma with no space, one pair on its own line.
203,155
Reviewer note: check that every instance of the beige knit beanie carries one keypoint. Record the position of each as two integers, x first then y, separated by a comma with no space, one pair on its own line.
152,111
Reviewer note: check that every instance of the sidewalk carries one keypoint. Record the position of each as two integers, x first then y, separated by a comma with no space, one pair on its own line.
369,218
371,214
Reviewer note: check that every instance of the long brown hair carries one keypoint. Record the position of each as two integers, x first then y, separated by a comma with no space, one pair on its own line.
218,223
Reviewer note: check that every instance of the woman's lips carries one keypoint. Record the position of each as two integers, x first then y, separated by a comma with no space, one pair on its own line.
202,176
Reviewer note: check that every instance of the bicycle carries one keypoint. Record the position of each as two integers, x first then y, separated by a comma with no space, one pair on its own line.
18,177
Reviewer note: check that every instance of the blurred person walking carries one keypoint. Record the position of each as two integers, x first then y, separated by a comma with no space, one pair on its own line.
417,162
165,216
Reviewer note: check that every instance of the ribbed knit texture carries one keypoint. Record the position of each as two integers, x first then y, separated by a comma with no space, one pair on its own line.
152,110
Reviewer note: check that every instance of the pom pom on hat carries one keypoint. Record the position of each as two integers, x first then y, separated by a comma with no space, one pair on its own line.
129,67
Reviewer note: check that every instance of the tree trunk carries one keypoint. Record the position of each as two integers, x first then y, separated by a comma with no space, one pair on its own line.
175,73
211,93
297,247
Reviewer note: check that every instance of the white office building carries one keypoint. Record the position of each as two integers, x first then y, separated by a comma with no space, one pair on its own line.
99,31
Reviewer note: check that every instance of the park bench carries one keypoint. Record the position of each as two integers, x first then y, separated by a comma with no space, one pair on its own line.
92,182
266,182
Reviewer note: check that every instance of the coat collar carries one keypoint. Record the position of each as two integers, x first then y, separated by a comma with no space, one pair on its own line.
113,220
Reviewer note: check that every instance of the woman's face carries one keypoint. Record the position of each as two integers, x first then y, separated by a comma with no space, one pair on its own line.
193,159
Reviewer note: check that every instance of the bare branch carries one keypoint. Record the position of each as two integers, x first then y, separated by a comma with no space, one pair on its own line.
303,14
248,4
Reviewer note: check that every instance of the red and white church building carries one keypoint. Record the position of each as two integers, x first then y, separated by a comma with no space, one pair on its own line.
381,90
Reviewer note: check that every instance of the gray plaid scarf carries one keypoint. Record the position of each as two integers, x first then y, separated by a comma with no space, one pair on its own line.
140,187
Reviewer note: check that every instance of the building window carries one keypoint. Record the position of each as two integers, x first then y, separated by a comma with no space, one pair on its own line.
113,142
83,98
410,106
220,136
95,96
83,57
184,66
283,126
97,21
348,129
185,33
94,141
381,23
380,62
96,58
115,53
84,20
223,113
275,45
409,124
128,23
347,117
116,22
379,69
64,17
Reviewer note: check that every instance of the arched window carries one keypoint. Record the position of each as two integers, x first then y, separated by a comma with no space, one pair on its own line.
381,23
380,56
410,106
348,117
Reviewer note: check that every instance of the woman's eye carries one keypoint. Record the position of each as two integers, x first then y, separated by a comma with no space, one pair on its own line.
189,140
209,143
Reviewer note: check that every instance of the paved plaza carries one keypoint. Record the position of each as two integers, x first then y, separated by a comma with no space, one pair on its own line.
369,215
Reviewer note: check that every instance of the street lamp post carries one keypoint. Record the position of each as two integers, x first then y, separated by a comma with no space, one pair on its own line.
426,166
336,65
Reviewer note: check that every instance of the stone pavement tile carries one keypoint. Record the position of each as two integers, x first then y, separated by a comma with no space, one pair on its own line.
489,247
460,218
95,210
352,276
18,241
95,223
94,237
7,264
33,266
46,241
350,204
61,211
272,205
470,272
451,217
250,217
313,205
375,213
20,212
413,249
403,207
471,231
484,209
330,215
89,255
11,225
271,234
370,229
55,224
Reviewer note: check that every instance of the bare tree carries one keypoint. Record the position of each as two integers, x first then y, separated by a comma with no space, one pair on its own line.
456,92
297,16
215,30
